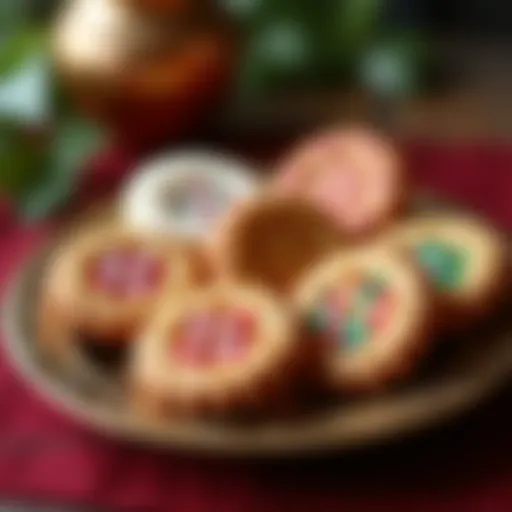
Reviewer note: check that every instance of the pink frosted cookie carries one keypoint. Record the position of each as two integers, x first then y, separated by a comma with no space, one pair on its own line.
367,312
354,176
224,349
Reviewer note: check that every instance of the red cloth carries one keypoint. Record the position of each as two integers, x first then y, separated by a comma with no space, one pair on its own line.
466,466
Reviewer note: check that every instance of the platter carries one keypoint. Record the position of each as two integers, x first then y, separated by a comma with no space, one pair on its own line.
457,376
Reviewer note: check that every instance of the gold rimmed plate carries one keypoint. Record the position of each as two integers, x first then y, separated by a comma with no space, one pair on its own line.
458,376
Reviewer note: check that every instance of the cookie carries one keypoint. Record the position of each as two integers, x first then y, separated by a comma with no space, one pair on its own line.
228,349
272,241
463,258
101,287
353,175
202,267
183,194
367,312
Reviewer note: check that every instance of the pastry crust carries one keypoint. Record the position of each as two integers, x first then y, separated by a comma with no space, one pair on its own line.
202,266
467,268
224,365
354,175
395,327
54,331
184,193
272,241
73,303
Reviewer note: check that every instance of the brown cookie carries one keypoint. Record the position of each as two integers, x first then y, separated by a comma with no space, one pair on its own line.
272,241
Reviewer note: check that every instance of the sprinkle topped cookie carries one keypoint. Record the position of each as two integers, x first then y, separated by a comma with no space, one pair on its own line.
368,312
350,316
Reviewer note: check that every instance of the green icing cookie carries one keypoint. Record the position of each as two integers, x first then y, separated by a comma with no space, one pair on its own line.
445,264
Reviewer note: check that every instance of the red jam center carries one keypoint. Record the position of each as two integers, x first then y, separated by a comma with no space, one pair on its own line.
214,337
126,273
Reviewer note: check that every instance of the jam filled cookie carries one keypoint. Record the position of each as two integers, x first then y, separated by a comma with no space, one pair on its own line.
227,350
272,241
183,194
464,260
101,287
368,314
354,176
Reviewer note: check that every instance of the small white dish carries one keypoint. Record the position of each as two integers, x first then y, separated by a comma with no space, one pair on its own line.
184,193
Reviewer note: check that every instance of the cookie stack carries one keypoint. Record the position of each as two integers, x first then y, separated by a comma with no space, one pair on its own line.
232,295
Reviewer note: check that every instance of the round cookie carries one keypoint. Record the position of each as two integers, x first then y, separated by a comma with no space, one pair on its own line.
184,193
227,349
463,259
353,175
367,312
272,241
102,286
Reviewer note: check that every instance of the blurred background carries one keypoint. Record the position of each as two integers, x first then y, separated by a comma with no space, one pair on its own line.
124,78
423,68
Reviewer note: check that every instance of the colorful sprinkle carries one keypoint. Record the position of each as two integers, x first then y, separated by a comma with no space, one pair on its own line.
349,316
355,333
445,264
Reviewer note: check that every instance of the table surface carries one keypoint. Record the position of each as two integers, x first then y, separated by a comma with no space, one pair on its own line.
466,466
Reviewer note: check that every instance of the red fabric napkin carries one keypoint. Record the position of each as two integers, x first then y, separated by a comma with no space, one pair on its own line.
466,466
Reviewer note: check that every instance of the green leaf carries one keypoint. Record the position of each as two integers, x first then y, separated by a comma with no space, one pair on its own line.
242,10
20,45
42,200
75,140
352,24
286,45
13,13
259,14
393,67
278,53
22,154
26,94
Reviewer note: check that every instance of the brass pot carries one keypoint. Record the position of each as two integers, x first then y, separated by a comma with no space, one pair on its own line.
147,73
